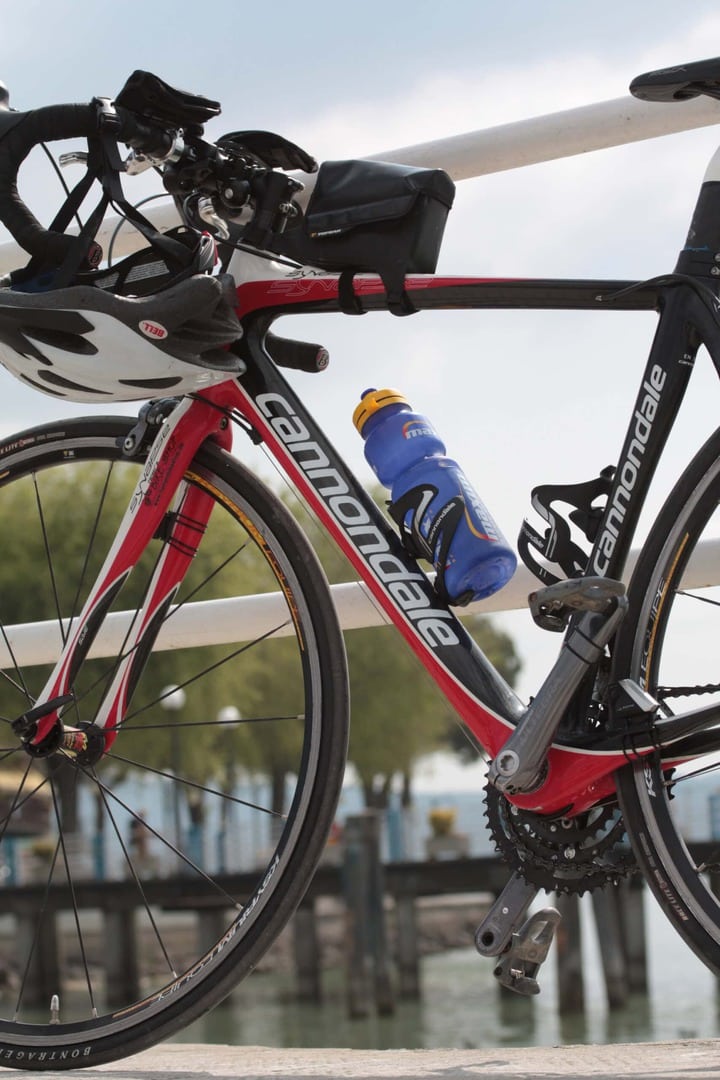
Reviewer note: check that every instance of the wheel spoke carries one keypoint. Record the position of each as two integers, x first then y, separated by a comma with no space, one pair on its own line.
227,803
71,885
208,670
82,577
49,559
226,796
32,951
131,866
232,901
204,723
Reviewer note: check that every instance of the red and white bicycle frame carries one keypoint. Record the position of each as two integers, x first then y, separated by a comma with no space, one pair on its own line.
577,777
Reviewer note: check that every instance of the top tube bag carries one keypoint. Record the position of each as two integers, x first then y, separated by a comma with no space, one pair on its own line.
373,217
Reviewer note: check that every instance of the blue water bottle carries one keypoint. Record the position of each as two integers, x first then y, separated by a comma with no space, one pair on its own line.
441,517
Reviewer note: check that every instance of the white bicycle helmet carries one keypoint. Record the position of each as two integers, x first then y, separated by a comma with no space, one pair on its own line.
85,344
156,324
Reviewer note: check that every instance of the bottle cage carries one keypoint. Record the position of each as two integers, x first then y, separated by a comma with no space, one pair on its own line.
435,546
556,544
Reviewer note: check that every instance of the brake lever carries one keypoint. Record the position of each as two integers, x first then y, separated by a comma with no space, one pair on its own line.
206,211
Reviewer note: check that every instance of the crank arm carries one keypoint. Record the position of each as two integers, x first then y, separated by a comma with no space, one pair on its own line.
495,931
518,765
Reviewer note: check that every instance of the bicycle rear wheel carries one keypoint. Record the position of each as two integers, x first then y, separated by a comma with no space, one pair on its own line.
668,643
217,795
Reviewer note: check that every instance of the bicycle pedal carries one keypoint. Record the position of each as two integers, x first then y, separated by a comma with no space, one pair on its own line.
552,606
528,949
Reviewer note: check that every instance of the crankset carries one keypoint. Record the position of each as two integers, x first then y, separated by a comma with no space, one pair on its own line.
562,855
566,855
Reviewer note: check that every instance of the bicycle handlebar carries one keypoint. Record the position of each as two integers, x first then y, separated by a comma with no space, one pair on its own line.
238,171
20,132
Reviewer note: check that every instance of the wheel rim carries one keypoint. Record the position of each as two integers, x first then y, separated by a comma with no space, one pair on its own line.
202,820
674,657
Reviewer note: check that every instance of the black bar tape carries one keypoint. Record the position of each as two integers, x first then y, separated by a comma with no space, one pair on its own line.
40,125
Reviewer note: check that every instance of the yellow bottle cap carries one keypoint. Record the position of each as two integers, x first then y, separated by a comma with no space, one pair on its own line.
373,400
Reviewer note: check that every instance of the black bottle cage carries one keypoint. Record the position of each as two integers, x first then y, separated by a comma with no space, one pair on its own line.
556,544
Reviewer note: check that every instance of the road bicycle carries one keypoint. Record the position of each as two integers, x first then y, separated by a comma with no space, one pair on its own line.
141,532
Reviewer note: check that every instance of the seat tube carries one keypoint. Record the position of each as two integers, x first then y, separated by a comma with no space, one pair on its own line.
661,391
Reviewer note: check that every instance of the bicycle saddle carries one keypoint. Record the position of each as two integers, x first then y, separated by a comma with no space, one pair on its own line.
679,83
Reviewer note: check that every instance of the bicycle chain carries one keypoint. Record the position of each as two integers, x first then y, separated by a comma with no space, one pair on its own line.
566,855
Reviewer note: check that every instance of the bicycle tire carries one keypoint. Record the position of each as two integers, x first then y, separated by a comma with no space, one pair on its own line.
664,803
47,474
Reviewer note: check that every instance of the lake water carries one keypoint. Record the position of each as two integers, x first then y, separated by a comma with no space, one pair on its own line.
462,1007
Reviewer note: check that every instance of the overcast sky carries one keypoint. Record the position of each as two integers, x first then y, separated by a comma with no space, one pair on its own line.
522,399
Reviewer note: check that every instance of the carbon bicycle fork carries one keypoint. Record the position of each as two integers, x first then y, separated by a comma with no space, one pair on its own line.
161,504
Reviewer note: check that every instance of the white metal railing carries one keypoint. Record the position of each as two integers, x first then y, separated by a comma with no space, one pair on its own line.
496,149
222,622
509,146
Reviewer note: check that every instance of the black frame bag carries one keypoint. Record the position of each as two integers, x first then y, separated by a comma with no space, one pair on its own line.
372,217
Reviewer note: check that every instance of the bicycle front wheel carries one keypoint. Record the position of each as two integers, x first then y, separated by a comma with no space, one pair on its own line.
141,884
669,644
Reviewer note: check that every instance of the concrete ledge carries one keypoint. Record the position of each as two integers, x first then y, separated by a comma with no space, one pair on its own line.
643,1061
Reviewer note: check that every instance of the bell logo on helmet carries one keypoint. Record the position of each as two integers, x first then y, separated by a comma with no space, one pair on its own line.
152,329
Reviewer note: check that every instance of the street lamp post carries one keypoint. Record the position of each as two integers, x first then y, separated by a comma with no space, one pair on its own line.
173,700
230,714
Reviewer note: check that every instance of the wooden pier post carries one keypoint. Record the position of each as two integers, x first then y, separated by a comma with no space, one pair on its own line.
369,979
407,946
306,948
571,987
355,876
37,934
631,898
612,950
120,954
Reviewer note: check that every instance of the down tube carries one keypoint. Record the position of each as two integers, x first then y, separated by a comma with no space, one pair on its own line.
479,694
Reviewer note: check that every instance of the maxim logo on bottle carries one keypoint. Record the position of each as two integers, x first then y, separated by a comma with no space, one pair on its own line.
414,428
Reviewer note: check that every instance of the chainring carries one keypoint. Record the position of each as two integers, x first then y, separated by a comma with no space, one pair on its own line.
567,855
